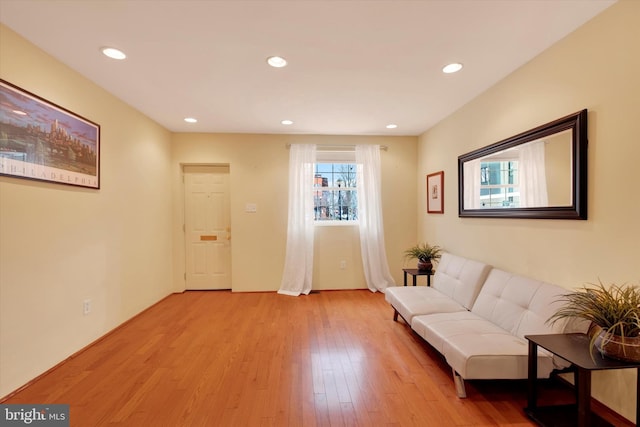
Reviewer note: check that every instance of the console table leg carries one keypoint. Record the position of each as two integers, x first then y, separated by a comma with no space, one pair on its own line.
638,396
583,384
532,380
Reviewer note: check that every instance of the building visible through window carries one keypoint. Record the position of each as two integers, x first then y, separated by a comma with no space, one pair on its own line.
335,194
499,184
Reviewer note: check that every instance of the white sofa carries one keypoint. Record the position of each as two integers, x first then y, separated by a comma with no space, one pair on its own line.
477,316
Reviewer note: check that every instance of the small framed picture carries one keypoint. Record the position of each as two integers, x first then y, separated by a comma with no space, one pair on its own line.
435,192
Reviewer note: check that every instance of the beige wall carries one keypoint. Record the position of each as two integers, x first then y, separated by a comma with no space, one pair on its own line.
597,68
60,245
259,173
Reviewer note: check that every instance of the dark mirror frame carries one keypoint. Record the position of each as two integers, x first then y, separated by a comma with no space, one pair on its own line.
577,122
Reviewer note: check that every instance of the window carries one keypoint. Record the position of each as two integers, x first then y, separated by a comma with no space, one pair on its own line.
499,184
335,197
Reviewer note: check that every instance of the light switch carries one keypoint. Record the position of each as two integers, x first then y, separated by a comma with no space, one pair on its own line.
251,208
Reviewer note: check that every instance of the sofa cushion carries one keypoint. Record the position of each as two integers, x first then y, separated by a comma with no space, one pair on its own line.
477,348
438,328
519,305
493,355
460,278
411,300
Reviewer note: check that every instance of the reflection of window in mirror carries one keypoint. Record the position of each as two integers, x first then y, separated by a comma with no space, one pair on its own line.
522,176
499,184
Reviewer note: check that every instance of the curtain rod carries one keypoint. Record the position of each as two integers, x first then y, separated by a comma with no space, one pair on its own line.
339,147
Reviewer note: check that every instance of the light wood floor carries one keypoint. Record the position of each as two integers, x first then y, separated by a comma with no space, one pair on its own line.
333,358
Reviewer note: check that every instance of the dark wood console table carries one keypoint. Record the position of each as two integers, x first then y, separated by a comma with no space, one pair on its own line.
574,348
415,272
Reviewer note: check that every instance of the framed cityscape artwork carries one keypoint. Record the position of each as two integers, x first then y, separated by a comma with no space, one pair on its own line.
43,141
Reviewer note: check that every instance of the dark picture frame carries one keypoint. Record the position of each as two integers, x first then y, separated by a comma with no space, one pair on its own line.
435,192
42,141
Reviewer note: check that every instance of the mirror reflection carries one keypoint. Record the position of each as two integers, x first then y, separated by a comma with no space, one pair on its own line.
541,173
534,174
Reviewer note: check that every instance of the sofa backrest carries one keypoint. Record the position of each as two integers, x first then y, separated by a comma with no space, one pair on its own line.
460,278
518,304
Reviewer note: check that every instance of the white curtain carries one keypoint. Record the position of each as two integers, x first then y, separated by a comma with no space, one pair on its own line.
533,178
298,264
374,256
471,184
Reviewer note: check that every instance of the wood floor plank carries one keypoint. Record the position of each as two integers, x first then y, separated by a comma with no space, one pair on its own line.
332,358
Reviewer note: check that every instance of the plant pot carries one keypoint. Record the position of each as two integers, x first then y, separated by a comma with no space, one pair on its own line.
425,265
615,346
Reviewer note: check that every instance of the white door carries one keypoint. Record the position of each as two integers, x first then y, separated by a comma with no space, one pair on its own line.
207,227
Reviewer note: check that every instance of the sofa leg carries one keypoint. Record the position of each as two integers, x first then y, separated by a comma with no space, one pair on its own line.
459,383
395,315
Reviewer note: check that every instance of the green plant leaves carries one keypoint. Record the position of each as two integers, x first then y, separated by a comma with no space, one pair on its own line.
615,308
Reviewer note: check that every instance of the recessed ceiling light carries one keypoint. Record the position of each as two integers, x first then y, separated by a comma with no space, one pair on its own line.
276,61
392,126
287,122
191,120
113,53
452,68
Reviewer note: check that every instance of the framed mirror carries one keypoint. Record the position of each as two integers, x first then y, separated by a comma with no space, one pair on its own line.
540,173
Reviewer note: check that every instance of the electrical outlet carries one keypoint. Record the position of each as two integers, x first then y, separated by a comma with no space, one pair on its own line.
86,307
343,264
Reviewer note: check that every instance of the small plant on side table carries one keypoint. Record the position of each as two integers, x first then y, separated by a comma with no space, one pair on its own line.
425,254
614,313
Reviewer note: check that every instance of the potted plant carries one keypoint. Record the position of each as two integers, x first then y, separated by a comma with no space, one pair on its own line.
614,313
424,253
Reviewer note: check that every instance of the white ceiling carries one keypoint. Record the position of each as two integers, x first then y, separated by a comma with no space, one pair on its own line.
354,66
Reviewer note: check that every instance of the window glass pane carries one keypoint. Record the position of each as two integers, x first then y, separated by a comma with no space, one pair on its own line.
337,200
